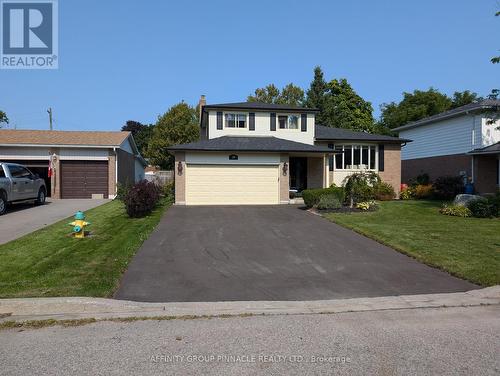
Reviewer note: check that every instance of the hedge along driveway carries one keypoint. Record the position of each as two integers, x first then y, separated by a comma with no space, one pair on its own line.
465,247
50,262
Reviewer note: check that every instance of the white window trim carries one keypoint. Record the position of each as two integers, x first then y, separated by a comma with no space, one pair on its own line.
287,122
224,119
352,157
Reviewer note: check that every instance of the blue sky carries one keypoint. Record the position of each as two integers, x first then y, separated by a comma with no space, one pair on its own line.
121,60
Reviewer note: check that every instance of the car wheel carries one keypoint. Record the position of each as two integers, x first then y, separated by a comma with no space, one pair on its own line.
3,204
40,200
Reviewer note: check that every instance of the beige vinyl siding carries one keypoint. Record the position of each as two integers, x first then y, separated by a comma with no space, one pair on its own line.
232,185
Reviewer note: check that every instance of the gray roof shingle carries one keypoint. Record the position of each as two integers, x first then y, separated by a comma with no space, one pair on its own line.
328,133
492,149
258,106
487,104
254,143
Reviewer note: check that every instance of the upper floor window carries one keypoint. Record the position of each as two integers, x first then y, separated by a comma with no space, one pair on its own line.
355,157
236,120
288,121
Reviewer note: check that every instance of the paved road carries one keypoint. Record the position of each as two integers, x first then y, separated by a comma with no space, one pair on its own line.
439,341
228,253
22,219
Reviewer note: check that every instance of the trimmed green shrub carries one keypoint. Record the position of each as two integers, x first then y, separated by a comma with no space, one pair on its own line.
456,210
141,198
121,191
168,190
311,196
329,201
447,187
482,208
384,191
422,179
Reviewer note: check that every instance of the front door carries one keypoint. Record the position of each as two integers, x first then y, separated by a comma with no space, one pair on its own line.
298,173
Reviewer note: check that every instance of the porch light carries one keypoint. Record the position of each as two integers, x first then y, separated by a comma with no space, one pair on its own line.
285,168
179,168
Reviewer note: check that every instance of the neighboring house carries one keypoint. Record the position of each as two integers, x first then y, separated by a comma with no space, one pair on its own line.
456,142
83,164
256,153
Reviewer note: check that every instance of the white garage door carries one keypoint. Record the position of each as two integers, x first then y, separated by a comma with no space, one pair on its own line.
232,185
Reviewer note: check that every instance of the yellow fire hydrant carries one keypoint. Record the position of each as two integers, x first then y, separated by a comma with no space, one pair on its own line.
79,225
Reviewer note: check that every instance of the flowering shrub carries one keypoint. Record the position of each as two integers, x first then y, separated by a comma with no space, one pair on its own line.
456,210
367,205
407,194
423,191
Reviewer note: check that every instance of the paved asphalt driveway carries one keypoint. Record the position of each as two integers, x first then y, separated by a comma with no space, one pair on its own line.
269,253
22,219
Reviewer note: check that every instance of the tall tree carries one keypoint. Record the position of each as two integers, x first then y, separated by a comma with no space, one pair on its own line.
461,98
496,59
142,133
344,108
290,94
177,126
316,94
3,118
413,107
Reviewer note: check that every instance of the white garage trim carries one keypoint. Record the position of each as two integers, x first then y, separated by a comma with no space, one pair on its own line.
232,184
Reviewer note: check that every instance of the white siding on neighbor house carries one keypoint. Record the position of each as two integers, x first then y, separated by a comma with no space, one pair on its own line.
447,137
223,158
27,153
490,132
83,154
262,127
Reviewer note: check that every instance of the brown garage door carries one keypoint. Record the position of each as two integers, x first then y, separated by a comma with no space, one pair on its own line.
82,179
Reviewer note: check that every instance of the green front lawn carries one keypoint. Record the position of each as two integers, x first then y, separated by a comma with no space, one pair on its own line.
466,247
50,262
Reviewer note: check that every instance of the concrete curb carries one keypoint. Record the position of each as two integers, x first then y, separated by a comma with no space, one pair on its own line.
74,308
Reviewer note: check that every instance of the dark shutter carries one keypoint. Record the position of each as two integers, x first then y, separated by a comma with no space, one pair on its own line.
303,122
273,121
219,120
381,157
330,158
251,122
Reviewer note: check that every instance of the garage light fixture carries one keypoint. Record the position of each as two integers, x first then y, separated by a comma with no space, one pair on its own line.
285,168
179,168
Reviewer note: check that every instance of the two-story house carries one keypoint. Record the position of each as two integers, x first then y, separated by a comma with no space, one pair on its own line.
462,141
256,153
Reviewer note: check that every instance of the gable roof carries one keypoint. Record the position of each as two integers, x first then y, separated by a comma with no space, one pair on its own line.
258,106
328,133
492,149
62,138
485,105
253,143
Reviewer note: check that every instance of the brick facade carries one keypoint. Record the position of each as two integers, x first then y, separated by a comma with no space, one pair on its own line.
445,165
486,173
55,180
392,166
284,179
111,174
180,178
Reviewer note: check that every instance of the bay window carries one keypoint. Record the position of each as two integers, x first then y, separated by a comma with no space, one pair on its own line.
355,157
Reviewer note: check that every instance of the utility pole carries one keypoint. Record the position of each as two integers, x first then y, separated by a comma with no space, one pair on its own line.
50,117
